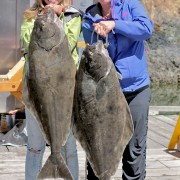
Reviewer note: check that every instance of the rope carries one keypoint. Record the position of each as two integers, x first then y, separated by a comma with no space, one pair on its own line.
106,43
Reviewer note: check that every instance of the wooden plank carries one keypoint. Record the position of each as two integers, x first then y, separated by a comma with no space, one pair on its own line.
15,74
81,44
12,176
163,172
173,117
167,119
3,78
152,144
164,110
9,149
7,86
163,128
161,163
163,178
151,165
13,83
154,164
158,132
160,154
154,136
171,163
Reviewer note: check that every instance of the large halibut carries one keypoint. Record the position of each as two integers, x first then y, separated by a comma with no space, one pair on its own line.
102,123
49,88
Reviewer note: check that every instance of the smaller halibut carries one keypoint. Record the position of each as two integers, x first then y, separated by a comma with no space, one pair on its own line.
49,89
102,122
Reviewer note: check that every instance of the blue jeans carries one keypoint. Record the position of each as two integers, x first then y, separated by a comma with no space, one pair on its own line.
36,147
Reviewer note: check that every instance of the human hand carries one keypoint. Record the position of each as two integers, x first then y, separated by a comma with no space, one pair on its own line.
103,27
13,111
58,9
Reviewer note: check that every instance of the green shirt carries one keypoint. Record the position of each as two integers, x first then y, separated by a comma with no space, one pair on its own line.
72,30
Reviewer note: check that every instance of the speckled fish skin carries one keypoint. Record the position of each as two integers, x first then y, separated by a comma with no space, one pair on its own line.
103,123
49,88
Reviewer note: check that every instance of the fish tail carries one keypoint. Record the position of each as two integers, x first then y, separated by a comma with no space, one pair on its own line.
55,167
105,178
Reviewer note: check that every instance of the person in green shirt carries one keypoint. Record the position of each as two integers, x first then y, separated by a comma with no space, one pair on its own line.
36,143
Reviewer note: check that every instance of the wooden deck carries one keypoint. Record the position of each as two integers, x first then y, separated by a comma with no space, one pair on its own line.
161,163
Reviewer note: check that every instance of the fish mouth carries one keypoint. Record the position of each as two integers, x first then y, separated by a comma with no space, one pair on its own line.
92,53
92,62
96,64
46,35
44,29
44,26
92,49
89,54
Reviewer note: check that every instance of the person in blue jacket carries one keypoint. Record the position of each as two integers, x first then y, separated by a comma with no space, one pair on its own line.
127,25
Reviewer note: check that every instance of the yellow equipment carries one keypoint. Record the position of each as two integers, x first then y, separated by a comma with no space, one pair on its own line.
12,81
175,139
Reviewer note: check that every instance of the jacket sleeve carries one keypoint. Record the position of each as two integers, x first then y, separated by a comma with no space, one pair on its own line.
140,28
25,35
73,30
92,38
87,30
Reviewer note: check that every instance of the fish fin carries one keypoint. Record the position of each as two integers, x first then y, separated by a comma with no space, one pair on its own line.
55,167
119,76
100,89
129,121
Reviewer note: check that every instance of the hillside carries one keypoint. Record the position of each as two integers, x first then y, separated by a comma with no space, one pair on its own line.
163,48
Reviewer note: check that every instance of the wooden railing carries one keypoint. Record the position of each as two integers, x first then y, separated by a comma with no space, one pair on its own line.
12,81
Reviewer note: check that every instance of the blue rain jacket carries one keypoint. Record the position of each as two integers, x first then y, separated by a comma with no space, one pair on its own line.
126,40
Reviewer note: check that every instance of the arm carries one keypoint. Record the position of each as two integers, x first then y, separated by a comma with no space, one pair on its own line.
140,28
87,30
26,30
73,30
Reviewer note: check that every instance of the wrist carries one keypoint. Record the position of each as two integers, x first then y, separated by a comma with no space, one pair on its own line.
60,9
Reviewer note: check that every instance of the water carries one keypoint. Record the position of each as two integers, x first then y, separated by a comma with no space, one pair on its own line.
168,95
